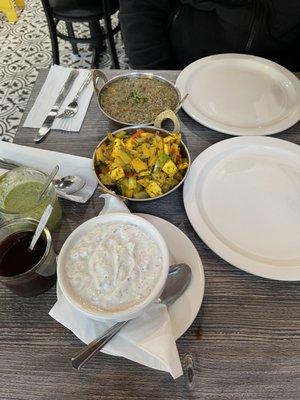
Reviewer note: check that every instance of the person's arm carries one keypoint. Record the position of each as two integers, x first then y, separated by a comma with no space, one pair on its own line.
145,33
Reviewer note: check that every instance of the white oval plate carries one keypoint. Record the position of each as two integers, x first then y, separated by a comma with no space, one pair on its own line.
240,94
242,196
181,249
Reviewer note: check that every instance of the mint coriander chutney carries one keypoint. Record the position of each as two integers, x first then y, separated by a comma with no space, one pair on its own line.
19,196
23,197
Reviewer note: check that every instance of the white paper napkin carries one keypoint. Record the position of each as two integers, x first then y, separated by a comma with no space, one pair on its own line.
48,94
45,160
147,339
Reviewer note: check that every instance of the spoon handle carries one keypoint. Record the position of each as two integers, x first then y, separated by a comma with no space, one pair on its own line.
180,103
49,180
41,226
71,197
96,345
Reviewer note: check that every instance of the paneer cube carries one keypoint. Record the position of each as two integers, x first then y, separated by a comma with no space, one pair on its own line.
153,189
169,168
146,150
158,142
117,147
167,148
168,139
117,173
138,165
130,143
152,158
173,138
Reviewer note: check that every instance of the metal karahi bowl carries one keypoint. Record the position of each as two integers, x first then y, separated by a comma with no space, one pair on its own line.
99,76
168,114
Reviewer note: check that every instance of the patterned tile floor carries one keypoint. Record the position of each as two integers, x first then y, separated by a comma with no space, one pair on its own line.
25,49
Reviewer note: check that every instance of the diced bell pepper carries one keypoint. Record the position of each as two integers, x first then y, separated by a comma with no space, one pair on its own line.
162,159
121,134
124,156
132,182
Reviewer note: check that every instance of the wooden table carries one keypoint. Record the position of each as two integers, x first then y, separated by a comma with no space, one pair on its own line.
244,341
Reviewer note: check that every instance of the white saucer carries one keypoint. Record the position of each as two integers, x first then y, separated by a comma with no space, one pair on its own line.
185,309
242,196
240,94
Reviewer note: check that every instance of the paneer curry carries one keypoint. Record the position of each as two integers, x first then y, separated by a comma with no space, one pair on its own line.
141,164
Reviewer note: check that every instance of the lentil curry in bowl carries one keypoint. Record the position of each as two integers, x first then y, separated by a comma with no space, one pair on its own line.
135,98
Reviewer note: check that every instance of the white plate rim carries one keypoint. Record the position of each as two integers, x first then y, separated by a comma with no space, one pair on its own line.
178,330
195,302
290,273
271,129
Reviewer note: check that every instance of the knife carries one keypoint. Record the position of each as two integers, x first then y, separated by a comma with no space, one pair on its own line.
47,124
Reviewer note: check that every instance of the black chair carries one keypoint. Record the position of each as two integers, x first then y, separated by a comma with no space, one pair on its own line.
90,11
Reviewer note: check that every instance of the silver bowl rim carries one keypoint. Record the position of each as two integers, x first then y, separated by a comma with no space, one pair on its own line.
149,75
161,130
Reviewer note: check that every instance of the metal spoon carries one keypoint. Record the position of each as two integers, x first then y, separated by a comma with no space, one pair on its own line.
178,280
67,184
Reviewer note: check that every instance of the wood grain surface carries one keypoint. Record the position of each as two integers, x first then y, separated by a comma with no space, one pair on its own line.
245,341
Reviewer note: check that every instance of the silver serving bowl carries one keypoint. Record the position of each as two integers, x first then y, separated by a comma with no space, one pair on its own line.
99,76
168,114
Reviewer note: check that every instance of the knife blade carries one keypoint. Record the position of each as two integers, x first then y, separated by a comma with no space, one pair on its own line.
47,124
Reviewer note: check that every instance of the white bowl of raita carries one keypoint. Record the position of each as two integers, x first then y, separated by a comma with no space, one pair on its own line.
112,267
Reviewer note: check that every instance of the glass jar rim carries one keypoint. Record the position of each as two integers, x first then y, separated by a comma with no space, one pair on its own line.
48,237
19,213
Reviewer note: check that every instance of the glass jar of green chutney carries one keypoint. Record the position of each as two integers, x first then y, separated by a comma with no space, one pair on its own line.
19,196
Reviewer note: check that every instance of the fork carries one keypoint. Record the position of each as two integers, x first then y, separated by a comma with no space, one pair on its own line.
72,107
